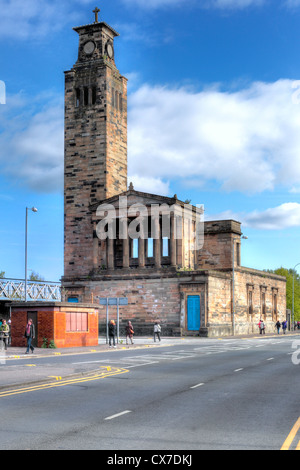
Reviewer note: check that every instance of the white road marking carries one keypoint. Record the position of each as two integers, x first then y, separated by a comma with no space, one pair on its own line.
118,415
196,386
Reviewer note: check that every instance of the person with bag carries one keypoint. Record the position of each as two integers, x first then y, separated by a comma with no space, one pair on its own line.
262,327
29,335
157,331
129,332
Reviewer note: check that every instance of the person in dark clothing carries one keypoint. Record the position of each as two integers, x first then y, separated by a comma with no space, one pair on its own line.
29,335
284,326
112,333
278,326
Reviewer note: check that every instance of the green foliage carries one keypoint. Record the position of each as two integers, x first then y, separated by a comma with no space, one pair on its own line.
35,277
48,344
2,274
288,274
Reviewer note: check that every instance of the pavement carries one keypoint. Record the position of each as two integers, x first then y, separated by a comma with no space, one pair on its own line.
18,369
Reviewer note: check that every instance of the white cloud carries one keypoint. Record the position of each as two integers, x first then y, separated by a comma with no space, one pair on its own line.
149,185
36,18
278,218
282,217
31,144
246,140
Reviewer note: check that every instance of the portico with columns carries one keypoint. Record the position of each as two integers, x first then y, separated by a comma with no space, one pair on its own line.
149,231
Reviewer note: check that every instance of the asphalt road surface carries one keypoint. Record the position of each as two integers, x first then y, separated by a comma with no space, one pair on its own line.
231,394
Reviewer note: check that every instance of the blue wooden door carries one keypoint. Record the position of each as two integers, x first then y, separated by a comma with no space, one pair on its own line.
193,312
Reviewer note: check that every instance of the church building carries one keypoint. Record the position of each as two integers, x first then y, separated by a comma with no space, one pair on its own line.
155,253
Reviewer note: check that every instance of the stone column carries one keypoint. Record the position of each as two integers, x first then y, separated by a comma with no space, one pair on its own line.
157,243
125,244
110,253
95,249
142,246
173,240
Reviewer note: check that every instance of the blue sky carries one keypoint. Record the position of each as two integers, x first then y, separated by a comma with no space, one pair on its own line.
213,116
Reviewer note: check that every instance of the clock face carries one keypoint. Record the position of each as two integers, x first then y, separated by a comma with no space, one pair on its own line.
110,50
89,47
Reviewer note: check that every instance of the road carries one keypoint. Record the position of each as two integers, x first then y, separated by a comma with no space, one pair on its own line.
207,394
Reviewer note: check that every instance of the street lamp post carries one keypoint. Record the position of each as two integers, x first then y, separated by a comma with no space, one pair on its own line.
33,209
233,286
293,314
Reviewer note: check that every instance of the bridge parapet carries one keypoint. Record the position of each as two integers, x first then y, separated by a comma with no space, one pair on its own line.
14,289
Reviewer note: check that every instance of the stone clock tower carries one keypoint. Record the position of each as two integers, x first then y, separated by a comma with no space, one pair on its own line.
95,139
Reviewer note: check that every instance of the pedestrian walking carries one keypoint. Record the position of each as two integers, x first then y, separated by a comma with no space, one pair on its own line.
4,330
278,326
284,326
29,335
262,328
129,333
112,333
157,331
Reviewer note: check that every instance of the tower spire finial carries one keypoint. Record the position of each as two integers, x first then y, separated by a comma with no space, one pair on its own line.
96,11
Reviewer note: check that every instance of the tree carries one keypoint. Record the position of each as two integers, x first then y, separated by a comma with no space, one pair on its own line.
288,274
2,274
35,277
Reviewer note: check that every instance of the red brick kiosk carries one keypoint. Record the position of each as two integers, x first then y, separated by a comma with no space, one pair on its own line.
65,324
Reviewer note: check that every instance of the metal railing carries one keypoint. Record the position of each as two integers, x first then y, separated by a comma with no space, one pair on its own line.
14,289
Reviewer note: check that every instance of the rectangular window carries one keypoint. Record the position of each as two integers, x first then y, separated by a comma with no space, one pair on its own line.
150,248
76,321
250,302
94,95
113,97
263,305
77,98
86,96
165,246
135,248
238,254
275,305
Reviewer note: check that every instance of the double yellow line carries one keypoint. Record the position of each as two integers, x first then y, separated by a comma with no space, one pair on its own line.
59,382
289,440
